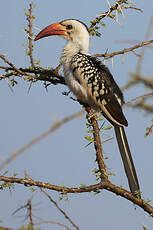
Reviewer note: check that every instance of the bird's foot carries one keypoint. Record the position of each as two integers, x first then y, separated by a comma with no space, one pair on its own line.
91,114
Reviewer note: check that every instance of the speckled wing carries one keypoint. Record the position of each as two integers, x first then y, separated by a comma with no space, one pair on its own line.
101,87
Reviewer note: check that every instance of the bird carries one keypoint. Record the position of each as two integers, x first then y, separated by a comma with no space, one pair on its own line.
93,84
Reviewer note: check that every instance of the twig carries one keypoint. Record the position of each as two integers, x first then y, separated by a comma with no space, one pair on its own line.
34,141
109,55
105,184
97,144
103,15
147,36
57,206
148,82
52,222
9,85
149,130
4,67
30,19
10,64
5,228
118,5
144,227
139,97
141,103
143,106
132,7
30,214
41,74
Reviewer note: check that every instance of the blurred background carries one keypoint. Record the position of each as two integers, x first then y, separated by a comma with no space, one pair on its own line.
63,158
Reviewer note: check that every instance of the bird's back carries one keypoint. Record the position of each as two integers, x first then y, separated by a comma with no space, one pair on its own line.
93,84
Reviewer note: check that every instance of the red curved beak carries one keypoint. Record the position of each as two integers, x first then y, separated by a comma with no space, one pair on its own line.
53,29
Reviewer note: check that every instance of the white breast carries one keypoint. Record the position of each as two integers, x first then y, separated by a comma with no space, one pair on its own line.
79,91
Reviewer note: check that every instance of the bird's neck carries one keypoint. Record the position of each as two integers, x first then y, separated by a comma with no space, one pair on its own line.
72,48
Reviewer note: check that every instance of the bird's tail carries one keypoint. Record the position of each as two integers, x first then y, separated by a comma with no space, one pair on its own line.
127,159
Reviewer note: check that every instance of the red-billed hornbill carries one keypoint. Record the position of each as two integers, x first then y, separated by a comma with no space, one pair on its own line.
93,84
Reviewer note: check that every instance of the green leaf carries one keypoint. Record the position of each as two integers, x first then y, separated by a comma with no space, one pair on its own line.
89,131
5,172
147,201
96,192
32,189
82,185
89,138
107,127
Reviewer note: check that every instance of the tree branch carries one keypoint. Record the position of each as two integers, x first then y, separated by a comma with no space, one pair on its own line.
97,143
105,184
51,222
118,6
30,19
11,65
52,76
126,50
60,210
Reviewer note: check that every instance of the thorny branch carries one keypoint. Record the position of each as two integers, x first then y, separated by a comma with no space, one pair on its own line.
119,5
52,75
30,19
137,78
141,56
28,207
97,143
30,213
59,209
126,50
105,184
36,74
13,67
139,97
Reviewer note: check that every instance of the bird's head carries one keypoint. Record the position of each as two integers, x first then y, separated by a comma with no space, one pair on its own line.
72,30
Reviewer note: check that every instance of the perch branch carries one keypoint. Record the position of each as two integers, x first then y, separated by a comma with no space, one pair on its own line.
105,184
97,143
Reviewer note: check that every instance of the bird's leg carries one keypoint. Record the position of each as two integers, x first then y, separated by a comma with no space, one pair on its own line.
90,113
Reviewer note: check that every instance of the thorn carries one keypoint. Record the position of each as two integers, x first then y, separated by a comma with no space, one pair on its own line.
108,3
123,15
29,87
116,18
36,28
9,85
123,58
131,2
112,59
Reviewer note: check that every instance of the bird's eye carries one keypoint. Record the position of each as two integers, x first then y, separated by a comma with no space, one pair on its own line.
69,27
